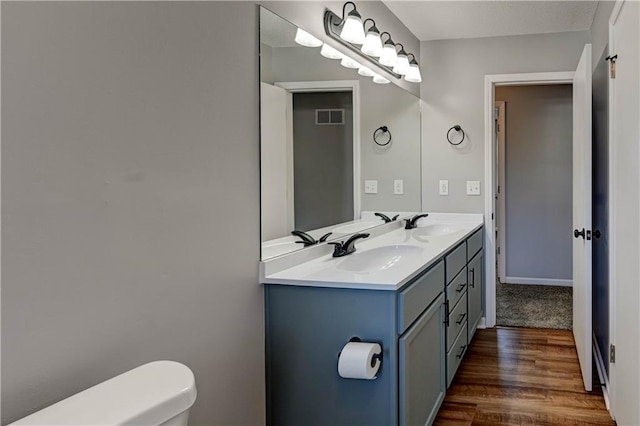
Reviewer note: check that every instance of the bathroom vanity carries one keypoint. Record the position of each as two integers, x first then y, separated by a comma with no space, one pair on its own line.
418,293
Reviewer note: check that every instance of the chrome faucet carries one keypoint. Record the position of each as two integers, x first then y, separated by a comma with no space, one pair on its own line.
347,247
413,222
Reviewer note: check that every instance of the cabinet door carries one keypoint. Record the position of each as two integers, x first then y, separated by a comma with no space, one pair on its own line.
422,367
475,292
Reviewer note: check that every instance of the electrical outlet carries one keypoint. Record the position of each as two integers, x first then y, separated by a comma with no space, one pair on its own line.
473,187
398,187
370,186
444,187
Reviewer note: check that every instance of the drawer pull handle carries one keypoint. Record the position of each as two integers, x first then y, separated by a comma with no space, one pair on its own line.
473,277
462,286
462,348
461,319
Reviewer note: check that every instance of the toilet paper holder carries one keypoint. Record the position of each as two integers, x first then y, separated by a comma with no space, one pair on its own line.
376,357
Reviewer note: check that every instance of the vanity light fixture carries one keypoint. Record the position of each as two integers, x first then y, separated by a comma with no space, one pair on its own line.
413,75
402,64
389,56
330,53
372,45
348,62
349,31
380,79
365,71
352,28
303,38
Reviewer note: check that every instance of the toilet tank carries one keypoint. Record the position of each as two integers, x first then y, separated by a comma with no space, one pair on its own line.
156,394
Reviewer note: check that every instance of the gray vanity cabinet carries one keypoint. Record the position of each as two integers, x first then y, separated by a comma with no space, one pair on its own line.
476,292
422,375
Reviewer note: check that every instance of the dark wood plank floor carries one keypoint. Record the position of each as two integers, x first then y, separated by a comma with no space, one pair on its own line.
521,376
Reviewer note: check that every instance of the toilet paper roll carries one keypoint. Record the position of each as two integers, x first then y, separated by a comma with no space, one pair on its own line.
356,361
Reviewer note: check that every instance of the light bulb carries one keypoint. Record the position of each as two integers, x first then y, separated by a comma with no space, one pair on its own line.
380,79
413,76
389,56
372,44
352,29
402,66
365,71
347,62
329,52
305,39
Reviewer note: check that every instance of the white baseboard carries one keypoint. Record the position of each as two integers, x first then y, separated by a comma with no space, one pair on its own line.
602,373
538,281
482,323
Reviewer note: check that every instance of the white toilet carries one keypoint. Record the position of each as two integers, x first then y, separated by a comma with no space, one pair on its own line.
156,394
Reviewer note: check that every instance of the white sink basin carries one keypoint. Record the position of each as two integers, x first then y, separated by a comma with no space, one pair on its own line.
435,230
356,227
380,258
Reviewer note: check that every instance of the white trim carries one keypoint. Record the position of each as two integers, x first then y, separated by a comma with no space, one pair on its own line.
538,281
600,365
490,81
502,183
352,86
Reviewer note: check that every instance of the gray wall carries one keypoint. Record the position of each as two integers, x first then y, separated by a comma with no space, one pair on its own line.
130,201
538,191
453,93
323,161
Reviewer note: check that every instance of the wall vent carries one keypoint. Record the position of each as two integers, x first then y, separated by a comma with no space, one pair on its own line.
326,117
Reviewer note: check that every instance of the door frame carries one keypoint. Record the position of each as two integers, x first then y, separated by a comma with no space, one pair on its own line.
352,86
502,184
490,83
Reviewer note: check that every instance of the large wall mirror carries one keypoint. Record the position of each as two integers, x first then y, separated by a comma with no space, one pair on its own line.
318,153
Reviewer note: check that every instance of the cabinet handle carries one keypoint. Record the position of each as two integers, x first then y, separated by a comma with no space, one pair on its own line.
473,278
461,352
446,313
461,319
462,286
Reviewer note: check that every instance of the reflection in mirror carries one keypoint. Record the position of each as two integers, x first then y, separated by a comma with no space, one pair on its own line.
321,171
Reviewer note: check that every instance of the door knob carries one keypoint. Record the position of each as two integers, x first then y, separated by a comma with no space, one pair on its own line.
597,234
577,233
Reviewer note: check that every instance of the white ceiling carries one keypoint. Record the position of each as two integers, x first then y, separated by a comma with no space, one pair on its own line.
439,20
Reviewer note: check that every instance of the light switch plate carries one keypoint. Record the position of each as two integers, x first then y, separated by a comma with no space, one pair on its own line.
444,187
398,187
473,187
370,186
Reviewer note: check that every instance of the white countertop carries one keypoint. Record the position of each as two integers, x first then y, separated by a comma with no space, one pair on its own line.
327,271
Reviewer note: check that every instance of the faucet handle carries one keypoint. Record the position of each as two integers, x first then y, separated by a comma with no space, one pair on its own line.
324,237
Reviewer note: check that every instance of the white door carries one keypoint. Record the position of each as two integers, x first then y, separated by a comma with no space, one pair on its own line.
624,228
276,163
582,214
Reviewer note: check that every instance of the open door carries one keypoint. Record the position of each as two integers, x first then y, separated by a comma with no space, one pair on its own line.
582,215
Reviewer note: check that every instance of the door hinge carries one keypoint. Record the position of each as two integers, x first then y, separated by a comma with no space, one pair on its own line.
612,65
612,354
498,250
491,216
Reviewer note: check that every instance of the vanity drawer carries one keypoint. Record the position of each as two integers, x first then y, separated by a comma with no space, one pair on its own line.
413,300
455,261
457,287
455,355
457,320
474,244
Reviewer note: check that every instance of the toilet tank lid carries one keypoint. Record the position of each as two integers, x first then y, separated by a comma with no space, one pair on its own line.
150,395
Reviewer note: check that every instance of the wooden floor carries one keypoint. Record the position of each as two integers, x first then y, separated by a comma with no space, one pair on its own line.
521,376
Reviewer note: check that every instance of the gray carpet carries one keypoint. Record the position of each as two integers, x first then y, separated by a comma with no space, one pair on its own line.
535,306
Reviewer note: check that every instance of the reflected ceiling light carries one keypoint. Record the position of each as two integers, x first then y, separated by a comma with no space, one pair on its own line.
305,39
402,65
348,62
389,56
329,52
372,45
413,76
380,79
352,28
365,71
